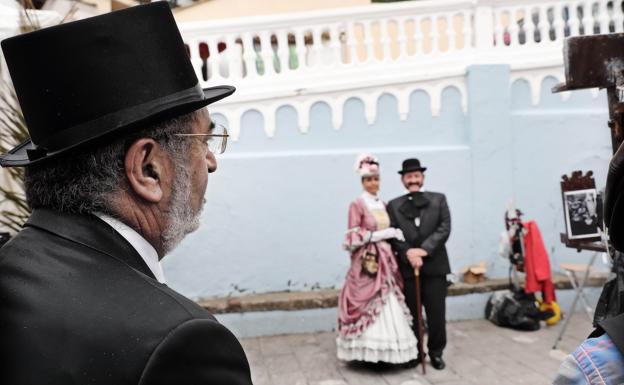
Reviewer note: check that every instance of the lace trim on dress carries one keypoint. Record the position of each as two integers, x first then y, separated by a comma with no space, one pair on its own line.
388,339
375,355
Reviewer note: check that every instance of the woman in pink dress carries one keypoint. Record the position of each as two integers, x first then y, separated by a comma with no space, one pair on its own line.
374,323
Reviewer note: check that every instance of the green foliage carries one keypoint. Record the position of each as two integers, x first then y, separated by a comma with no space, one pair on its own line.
13,131
15,211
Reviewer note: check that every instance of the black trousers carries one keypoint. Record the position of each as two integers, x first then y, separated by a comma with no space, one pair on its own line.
433,295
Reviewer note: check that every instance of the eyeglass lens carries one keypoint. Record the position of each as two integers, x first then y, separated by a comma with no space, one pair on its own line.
217,144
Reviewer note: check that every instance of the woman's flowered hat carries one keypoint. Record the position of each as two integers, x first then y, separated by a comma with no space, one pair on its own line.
367,165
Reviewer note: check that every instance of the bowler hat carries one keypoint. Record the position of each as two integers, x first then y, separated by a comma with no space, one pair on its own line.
410,165
93,79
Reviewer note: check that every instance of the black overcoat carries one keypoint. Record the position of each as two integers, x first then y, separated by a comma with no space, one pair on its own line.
78,305
430,211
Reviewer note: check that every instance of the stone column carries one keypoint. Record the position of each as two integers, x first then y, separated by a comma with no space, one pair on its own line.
490,125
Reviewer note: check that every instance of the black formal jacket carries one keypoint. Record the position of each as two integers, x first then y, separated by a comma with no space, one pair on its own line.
78,305
431,234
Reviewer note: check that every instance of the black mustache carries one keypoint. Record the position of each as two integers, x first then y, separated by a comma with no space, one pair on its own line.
414,184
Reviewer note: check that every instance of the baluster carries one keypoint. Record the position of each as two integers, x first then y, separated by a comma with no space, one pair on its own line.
588,21
351,42
514,28
369,43
451,35
603,16
573,21
468,30
213,59
483,22
544,25
317,48
618,18
558,22
266,52
300,49
384,40
401,38
283,53
435,35
499,29
529,27
335,45
229,55
249,56
419,37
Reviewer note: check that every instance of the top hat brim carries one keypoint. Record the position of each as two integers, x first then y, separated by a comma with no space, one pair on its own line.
27,153
561,87
411,169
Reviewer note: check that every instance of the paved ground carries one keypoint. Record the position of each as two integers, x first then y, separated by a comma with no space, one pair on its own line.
477,353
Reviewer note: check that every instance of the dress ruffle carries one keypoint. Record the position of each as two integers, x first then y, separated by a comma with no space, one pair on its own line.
389,338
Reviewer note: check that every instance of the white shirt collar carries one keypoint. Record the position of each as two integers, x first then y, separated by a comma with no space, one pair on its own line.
372,201
145,250
422,189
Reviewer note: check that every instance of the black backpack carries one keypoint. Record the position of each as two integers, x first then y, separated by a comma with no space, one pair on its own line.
515,310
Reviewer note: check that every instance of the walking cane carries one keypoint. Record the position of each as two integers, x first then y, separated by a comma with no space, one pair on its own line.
421,331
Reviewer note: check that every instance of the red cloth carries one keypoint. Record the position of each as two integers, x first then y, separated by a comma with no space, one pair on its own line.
536,264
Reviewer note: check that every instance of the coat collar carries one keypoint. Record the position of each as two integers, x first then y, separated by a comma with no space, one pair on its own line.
89,231
614,327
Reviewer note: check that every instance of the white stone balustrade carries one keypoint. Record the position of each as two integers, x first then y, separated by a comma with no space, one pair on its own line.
330,56
396,48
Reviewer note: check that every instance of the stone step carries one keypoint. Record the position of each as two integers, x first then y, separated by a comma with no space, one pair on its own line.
328,298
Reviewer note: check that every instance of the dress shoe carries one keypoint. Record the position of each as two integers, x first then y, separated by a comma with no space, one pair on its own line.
438,363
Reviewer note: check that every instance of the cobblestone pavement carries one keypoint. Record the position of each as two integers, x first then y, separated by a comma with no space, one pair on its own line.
477,353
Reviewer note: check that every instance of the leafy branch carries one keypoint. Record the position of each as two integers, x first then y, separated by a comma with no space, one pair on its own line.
14,210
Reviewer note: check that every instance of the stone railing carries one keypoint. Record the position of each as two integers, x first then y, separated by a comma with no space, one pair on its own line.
396,48
327,298
290,45
300,44
328,56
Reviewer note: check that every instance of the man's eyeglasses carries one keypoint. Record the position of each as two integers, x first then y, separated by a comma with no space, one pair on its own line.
216,141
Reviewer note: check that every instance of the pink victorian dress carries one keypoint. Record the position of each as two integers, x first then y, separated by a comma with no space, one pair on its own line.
374,322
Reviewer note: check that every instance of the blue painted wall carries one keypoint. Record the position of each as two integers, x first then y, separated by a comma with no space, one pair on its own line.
277,207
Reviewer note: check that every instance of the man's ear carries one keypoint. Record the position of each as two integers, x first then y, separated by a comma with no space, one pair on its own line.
145,168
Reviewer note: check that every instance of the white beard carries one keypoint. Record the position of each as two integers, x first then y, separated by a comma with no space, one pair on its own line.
180,219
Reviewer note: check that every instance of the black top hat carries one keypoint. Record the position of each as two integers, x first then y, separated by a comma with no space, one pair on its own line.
95,78
410,165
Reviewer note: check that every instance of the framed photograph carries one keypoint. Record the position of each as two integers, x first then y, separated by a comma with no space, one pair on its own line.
581,209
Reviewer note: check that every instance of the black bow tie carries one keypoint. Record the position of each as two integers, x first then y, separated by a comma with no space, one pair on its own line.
418,199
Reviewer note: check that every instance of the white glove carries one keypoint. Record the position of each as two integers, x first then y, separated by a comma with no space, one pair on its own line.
389,233
399,235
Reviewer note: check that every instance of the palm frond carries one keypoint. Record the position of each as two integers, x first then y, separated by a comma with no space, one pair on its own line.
14,210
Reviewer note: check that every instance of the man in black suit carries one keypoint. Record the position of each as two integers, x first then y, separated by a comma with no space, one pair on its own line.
116,170
425,221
